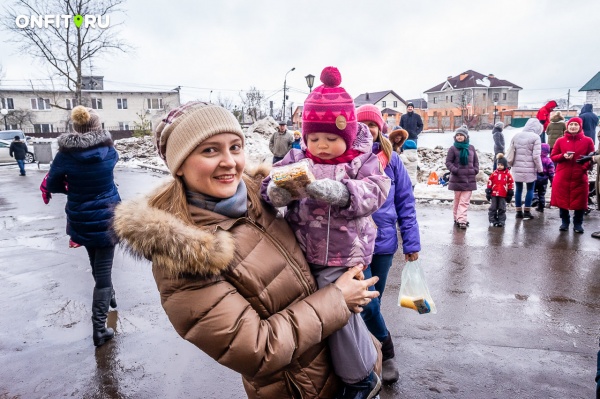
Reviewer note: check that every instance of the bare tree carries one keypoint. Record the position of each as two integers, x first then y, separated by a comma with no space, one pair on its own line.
20,116
225,102
253,103
65,48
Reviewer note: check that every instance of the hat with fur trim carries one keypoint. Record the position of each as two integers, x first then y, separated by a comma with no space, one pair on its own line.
369,112
185,127
501,160
330,109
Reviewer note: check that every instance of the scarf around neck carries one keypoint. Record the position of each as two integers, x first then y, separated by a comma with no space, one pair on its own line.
233,207
464,151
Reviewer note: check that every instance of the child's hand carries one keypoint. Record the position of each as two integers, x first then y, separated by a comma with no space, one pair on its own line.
509,195
488,194
278,196
411,257
330,191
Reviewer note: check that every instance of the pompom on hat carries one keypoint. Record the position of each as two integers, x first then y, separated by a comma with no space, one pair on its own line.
85,119
330,109
501,160
369,112
187,126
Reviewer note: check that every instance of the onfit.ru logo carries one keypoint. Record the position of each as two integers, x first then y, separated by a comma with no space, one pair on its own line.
57,21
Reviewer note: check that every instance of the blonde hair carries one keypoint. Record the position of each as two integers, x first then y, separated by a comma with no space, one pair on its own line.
386,145
171,198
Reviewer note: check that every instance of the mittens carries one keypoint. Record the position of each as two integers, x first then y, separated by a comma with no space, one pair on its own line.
488,194
278,196
329,191
509,195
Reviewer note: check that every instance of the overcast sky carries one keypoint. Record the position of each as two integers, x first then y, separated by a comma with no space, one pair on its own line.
546,47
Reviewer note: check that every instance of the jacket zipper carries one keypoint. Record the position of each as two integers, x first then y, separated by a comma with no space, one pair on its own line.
291,261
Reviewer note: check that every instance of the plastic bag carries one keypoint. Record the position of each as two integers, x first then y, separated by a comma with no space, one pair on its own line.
433,178
414,293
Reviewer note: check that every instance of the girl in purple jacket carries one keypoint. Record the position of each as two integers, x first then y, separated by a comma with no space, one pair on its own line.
333,225
398,209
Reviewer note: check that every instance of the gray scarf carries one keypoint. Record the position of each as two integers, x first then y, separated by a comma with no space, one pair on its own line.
233,207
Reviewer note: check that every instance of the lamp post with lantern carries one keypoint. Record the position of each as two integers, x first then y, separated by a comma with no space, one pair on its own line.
284,90
310,80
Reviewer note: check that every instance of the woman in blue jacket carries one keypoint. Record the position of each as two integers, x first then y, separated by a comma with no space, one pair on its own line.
399,208
83,169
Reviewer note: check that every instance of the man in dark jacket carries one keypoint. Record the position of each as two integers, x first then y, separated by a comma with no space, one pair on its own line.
411,122
590,121
280,142
18,150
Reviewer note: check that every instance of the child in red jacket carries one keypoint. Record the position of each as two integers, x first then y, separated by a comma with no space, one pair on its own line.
500,190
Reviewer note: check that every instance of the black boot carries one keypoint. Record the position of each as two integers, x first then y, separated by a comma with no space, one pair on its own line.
100,305
566,220
113,300
389,371
527,214
519,214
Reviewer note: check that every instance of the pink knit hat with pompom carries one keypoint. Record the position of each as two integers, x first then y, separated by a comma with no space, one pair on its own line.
330,109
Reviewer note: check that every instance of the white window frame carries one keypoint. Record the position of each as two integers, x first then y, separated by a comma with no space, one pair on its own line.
8,103
435,100
70,103
40,104
503,96
39,128
121,103
395,104
150,101
383,104
124,126
96,103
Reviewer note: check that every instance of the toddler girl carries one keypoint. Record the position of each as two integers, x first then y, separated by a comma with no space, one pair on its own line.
333,224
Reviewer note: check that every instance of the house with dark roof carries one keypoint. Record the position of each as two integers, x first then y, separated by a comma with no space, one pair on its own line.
419,103
592,92
472,95
392,106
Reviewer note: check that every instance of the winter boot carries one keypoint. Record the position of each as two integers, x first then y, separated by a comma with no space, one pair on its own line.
527,214
519,214
100,305
365,389
389,371
540,208
564,226
113,300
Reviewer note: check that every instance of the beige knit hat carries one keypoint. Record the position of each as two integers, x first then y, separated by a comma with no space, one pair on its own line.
187,126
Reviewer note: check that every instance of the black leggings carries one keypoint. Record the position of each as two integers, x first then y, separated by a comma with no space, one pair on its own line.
101,260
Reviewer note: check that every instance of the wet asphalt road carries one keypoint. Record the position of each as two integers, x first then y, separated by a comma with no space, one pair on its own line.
517,311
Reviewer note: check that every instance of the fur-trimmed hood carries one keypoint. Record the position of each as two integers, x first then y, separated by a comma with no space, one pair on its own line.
68,142
175,245
403,134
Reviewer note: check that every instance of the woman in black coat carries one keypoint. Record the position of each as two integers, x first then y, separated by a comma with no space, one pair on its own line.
83,169
463,165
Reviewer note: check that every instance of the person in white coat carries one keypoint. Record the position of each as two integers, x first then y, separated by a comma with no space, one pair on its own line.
524,158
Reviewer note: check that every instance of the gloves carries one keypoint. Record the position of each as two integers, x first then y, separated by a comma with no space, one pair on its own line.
586,158
488,194
330,191
279,196
509,195
46,197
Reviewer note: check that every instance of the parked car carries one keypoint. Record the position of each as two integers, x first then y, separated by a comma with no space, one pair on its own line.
5,153
10,135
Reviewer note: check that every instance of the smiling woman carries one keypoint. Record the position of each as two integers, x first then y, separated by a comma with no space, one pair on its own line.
231,276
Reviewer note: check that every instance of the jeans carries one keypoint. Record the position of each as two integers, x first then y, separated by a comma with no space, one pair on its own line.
101,260
519,193
21,163
371,314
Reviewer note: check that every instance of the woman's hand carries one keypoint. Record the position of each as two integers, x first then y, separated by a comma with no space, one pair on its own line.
356,292
411,257
567,155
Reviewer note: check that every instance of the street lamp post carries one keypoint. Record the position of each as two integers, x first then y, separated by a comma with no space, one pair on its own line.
4,113
310,80
284,90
